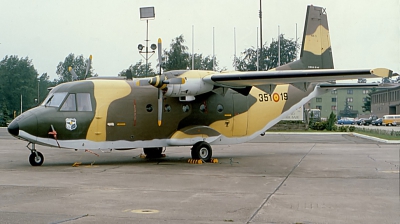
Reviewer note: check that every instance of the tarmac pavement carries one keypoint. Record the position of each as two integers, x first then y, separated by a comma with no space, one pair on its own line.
278,178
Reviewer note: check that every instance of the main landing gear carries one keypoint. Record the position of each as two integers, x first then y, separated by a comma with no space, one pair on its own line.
200,151
36,158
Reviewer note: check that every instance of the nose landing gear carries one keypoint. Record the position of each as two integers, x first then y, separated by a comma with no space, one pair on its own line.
36,158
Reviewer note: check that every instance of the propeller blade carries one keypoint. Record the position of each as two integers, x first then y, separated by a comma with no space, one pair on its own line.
160,99
88,65
159,53
74,76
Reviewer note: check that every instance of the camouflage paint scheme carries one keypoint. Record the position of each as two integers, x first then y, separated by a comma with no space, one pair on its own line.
234,108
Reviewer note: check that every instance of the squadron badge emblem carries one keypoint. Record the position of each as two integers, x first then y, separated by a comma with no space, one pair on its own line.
70,124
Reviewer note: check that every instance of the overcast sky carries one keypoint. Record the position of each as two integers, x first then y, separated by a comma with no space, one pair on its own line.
364,34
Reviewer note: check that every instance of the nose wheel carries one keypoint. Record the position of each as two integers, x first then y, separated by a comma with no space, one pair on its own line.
35,158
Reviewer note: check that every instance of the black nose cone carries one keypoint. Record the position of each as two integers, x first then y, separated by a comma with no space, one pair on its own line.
13,128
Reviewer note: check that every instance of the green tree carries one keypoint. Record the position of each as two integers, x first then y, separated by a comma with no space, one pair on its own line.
138,70
44,83
177,57
18,78
367,103
269,57
79,65
4,116
347,112
203,63
331,122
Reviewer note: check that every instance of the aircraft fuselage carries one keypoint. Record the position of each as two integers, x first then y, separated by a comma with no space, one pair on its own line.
122,115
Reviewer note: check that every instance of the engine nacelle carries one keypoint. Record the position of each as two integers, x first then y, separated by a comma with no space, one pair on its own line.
192,87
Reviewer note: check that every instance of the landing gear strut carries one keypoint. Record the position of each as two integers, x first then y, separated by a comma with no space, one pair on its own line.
36,158
202,150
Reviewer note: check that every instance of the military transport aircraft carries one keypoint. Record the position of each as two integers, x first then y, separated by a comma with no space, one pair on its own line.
184,108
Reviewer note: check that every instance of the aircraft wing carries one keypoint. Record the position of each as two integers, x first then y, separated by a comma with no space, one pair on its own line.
260,78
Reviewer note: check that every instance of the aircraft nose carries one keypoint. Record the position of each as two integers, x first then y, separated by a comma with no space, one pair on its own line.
24,126
13,128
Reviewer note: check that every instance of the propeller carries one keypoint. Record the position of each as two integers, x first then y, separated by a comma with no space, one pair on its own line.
74,76
160,82
72,71
160,95
88,65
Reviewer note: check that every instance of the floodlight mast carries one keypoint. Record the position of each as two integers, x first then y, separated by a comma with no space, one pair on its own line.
147,13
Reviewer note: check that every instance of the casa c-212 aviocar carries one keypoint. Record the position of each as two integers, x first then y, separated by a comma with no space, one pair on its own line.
184,108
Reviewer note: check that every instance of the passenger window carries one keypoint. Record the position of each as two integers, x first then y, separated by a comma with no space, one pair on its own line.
149,108
69,104
203,108
185,108
220,108
84,102
167,108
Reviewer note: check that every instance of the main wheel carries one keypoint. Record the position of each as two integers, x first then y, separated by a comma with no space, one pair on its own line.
202,150
153,152
36,160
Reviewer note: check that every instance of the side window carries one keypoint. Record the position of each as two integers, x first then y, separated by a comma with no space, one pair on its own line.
84,102
167,108
69,103
185,108
54,100
149,108
220,108
203,108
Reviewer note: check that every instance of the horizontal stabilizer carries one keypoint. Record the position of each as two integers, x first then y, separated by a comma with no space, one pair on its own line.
348,85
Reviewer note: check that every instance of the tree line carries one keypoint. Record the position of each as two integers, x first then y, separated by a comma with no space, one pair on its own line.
20,81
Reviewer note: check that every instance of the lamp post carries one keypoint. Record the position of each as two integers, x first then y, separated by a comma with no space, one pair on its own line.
147,13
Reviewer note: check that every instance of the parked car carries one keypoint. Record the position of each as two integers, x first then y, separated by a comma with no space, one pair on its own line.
377,122
391,120
360,121
368,121
346,120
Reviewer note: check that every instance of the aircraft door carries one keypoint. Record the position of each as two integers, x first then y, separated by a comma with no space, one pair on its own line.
240,108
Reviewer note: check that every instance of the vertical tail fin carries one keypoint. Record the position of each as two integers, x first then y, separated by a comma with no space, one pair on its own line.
316,51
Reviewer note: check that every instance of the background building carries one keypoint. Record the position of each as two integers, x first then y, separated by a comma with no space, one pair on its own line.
336,100
386,101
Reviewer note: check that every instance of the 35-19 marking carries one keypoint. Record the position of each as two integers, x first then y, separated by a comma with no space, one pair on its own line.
272,97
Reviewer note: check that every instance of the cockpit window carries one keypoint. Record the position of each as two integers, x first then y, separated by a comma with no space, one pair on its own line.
80,101
54,100
84,102
69,104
